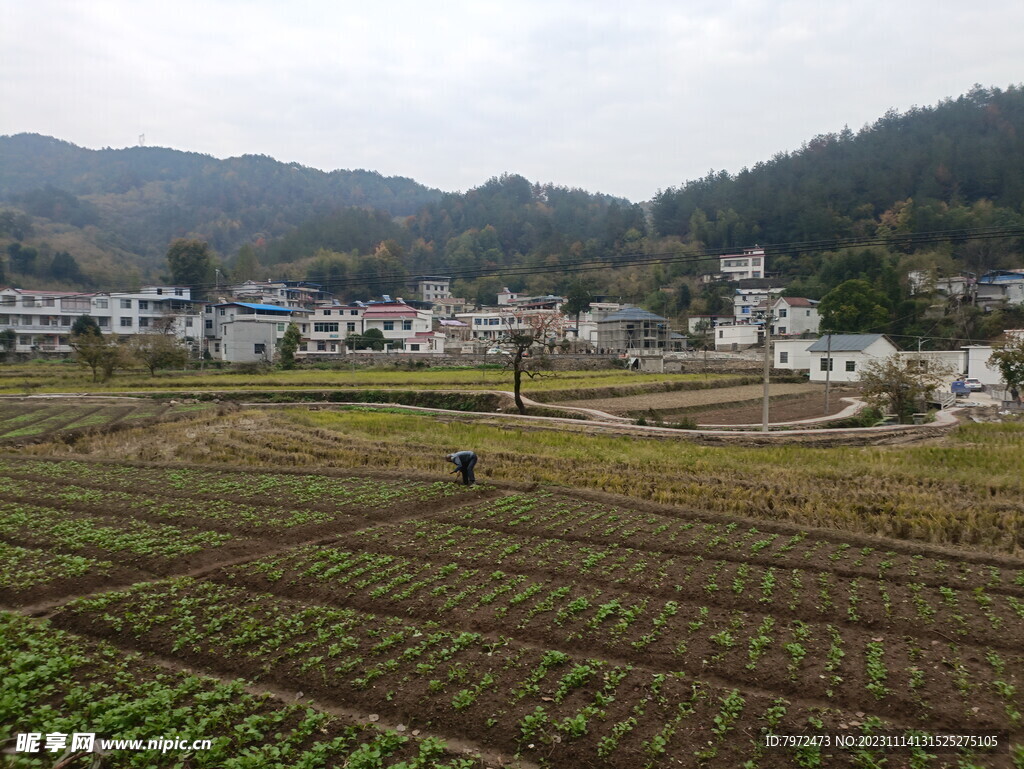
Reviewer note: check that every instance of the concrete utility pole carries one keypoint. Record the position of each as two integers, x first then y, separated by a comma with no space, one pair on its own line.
767,370
828,369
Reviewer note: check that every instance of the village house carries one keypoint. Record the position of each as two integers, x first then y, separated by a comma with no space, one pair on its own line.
794,316
42,320
245,332
840,357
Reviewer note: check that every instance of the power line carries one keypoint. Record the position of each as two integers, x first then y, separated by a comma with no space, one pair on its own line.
640,259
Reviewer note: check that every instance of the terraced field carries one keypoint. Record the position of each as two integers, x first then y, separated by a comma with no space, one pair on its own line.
425,624
37,419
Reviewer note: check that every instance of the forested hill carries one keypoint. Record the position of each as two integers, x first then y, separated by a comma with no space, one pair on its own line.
143,197
943,159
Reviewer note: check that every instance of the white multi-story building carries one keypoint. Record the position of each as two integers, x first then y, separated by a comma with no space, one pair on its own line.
495,323
430,288
408,329
750,264
329,326
752,303
42,320
794,316
244,332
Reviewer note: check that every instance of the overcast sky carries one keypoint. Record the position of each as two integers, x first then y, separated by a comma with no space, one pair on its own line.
617,97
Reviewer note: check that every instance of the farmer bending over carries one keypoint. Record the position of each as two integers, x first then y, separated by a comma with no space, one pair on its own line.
464,461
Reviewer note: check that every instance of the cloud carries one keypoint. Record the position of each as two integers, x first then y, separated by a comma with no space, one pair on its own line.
618,98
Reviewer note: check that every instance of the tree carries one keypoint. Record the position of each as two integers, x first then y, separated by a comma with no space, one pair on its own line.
22,258
85,324
373,339
65,267
101,354
578,300
157,350
524,329
288,345
1009,359
246,265
901,382
853,307
8,343
190,262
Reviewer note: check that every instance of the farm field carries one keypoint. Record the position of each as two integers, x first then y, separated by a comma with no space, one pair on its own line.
67,377
489,626
965,491
633,405
35,419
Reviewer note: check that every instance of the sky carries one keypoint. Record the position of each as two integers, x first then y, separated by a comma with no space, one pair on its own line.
624,98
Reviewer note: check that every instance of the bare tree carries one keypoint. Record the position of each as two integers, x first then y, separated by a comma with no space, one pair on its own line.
156,350
522,331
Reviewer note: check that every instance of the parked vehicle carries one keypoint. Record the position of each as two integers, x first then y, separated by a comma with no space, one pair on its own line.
974,384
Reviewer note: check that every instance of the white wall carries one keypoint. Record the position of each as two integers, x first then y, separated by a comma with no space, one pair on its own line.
736,337
797,357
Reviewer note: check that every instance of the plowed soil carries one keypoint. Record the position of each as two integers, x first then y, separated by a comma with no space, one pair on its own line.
573,629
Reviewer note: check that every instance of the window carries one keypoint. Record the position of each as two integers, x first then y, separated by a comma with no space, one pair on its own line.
495,321
478,321
143,322
782,329
321,346
103,322
280,326
389,325
851,365
209,308
143,304
325,328
126,322
48,302
216,346
406,325
414,348
827,364
209,323
223,311
807,313
721,334
126,304
159,292
26,320
783,357
260,348
746,311
179,292
782,312
188,322
350,327
353,312
327,312
65,321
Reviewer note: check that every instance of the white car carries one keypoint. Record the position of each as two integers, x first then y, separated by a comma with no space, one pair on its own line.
974,384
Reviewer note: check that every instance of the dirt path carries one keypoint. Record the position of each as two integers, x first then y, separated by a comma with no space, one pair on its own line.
687,398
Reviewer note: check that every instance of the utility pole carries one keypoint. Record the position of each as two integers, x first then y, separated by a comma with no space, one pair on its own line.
828,369
767,370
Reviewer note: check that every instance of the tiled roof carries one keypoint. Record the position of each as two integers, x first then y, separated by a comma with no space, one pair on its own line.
799,301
